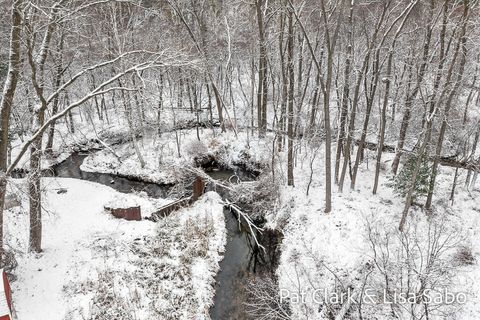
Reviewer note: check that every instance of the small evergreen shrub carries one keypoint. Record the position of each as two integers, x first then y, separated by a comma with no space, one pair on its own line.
402,181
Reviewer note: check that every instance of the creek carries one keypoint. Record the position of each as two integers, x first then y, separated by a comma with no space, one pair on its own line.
242,259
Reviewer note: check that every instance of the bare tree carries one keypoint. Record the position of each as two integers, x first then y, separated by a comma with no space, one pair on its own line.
7,102
291,88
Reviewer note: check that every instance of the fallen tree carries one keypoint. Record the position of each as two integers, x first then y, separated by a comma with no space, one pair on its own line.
448,161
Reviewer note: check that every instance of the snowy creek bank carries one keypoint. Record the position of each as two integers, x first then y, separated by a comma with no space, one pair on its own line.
249,251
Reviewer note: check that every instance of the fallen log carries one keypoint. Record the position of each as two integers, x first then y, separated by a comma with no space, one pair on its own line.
447,161
373,146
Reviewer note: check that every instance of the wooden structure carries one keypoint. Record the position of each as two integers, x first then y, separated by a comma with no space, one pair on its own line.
198,189
5,298
131,214
169,208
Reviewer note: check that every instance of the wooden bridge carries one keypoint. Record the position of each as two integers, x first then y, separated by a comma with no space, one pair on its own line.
198,189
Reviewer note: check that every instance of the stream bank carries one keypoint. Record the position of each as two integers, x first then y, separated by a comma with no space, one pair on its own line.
243,260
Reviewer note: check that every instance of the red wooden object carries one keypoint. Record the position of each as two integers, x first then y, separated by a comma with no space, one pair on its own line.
133,213
198,188
5,298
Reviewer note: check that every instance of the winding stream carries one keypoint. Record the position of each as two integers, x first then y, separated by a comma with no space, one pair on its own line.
70,168
236,266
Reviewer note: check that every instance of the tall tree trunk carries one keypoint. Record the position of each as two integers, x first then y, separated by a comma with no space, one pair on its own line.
433,103
34,187
262,71
345,95
383,116
325,84
6,104
161,88
356,94
370,96
37,66
291,88
314,108
383,121
58,79
331,37
284,85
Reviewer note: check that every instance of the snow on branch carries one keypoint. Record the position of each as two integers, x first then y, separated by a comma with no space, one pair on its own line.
251,225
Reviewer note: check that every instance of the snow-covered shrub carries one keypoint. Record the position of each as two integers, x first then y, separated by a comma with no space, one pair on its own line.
464,256
257,197
263,299
402,182
184,179
197,233
9,262
417,264
230,153
108,303
197,150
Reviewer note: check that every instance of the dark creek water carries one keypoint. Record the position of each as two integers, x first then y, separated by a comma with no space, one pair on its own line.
70,168
233,274
241,259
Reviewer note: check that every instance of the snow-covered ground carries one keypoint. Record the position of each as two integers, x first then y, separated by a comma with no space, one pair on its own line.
96,266
327,253
166,157
93,262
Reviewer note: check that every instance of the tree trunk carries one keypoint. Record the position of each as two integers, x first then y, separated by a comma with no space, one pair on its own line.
57,82
262,71
6,104
284,94
383,117
331,42
370,96
291,88
345,95
35,192
353,112
383,121
433,103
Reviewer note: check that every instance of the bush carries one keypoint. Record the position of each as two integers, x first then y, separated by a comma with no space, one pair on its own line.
108,303
257,197
402,182
464,256
197,150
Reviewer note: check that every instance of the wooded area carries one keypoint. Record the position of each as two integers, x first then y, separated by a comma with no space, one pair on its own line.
344,85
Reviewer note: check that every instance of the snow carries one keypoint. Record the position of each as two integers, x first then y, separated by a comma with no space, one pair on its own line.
320,251
83,245
89,253
164,163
